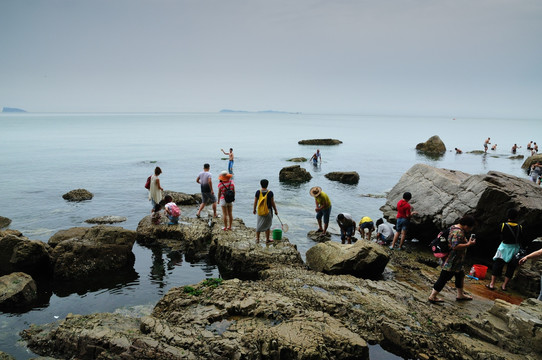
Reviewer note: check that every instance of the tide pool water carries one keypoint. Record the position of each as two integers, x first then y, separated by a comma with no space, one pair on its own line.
43,156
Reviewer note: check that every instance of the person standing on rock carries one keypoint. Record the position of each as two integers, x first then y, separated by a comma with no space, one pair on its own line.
316,157
347,226
264,204
453,266
155,190
323,208
511,241
230,162
225,185
207,194
404,213
534,254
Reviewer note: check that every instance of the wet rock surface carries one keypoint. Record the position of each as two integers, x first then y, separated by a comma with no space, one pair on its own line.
108,219
78,195
4,222
294,174
18,253
17,290
433,146
345,177
320,142
297,159
180,198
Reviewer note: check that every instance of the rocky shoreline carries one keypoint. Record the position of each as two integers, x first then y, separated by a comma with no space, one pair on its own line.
270,304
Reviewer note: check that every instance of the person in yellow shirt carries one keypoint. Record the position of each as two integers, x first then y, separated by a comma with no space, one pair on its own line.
323,208
366,223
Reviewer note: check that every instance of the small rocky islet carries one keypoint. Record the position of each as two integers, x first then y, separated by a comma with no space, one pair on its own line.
270,304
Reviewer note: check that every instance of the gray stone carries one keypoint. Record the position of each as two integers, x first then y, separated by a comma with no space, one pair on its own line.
180,198
109,219
345,177
78,195
363,259
18,253
294,174
433,146
318,236
4,222
17,290
297,159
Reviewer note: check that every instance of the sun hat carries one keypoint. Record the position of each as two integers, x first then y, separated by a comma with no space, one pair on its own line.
315,191
224,176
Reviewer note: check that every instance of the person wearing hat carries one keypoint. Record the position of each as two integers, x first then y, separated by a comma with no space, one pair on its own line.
225,184
323,208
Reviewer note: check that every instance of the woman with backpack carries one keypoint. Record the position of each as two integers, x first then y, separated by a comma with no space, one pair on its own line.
226,196
511,241
264,202
455,260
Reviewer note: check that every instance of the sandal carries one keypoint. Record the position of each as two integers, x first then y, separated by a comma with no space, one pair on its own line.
464,298
504,289
490,287
435,301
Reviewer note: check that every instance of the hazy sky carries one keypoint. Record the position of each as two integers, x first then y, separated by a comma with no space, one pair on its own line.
424,57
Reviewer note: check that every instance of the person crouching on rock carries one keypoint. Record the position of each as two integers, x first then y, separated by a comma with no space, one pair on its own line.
366,223
455,260
172,210
347,226
323,208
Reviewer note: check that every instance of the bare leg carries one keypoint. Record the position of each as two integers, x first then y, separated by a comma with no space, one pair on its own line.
505,283
230,213
492,282
403,236
225,217
395,237
325,228
200,208
267,234
257,236
319,224
214,210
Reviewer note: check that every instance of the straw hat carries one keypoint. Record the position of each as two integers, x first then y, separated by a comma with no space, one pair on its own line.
315,191
224,176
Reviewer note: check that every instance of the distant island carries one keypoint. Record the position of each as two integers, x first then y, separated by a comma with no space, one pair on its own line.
258,112
12,110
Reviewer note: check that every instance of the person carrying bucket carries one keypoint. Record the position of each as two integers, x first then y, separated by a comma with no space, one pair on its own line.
264,203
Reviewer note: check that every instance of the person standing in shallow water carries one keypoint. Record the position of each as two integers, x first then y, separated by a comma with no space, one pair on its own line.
486,144
455,260
264,221
155,190
230,162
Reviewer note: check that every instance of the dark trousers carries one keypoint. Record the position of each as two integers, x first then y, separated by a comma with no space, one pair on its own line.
498,265
446,276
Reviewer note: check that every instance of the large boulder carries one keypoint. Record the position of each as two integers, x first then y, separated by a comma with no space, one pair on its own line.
345,177
531,160
433,146
4,222
78,195
527,278
18,253
320,142
191,236
92,251
294,174
441,197
17,290
238,255
180,198
363,259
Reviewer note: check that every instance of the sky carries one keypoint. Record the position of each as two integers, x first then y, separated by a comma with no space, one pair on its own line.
478,58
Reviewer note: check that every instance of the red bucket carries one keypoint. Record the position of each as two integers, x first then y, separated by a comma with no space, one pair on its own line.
480,271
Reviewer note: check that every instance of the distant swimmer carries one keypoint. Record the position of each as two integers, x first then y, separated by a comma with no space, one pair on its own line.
535,148
486,143
458,151
494,147
514,148
530,145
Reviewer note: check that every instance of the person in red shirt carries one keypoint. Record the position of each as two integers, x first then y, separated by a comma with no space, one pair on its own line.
404,212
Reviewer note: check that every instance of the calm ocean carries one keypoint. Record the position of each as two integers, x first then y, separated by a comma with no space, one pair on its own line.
43,156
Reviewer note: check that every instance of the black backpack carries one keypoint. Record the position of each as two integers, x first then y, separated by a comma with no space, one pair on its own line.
229,194
440,244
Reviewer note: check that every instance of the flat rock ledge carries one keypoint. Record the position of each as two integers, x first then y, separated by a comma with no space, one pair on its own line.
295,313
108,219
78,195
320,142
345,177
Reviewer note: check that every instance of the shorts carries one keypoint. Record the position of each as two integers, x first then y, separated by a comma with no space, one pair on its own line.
402,224
173,219
367,225
208,198
223,203
347,232
325,213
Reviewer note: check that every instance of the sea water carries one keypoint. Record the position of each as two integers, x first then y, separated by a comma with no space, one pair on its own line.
43,156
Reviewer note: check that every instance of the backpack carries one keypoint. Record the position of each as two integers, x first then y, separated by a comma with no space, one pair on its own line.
263,209
440,245
148,183
229,194
173,209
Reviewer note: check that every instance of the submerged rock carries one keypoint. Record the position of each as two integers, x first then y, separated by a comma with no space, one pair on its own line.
17,290
345,177
294,174
78,195
4,222
298,159
110,219
320,142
